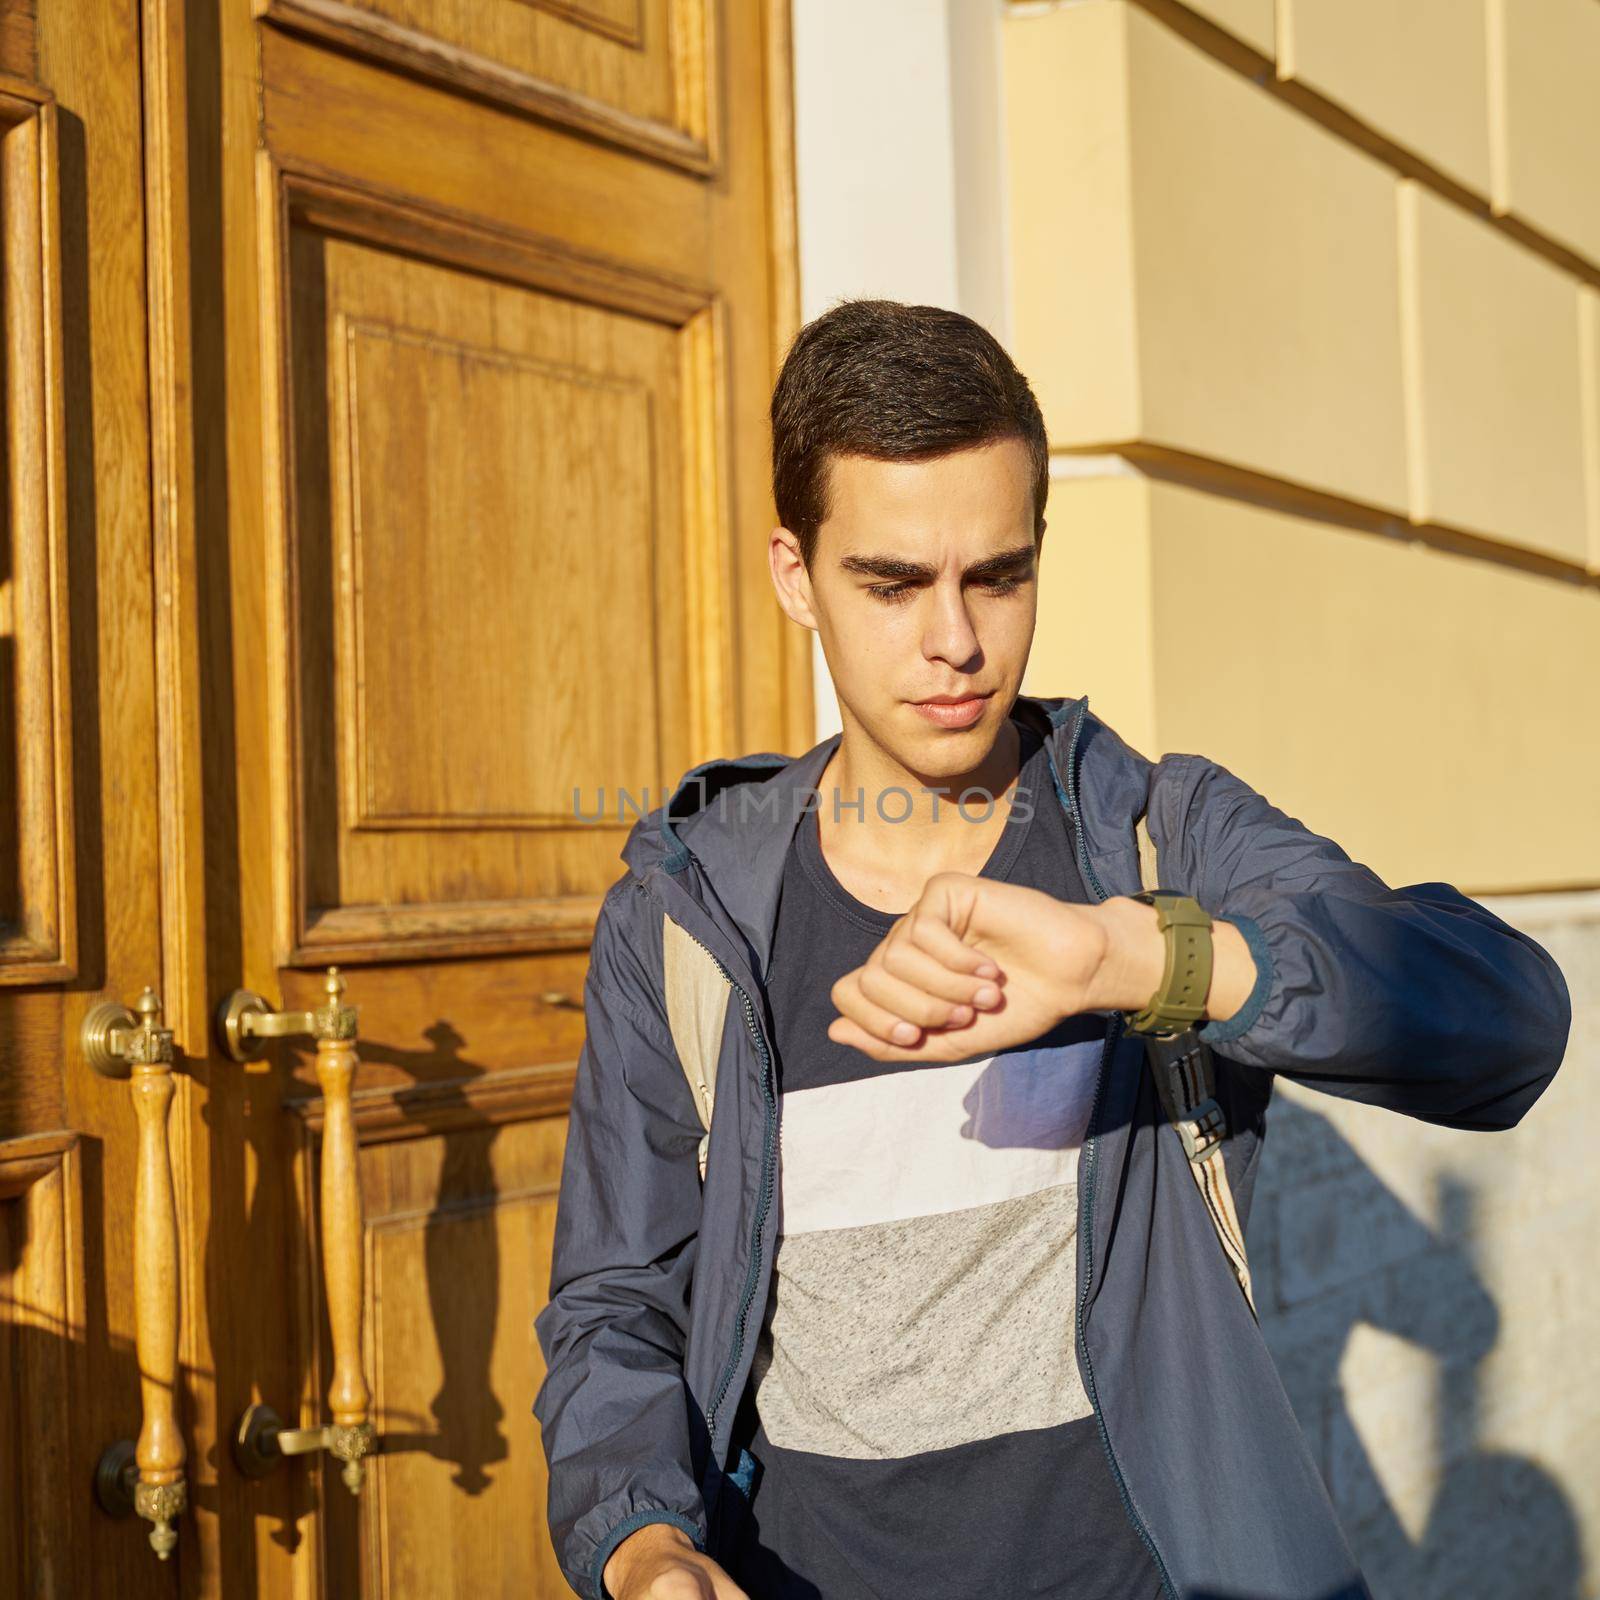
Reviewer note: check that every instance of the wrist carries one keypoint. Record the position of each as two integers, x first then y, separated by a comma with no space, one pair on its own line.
1134,962
643,1542
1133,959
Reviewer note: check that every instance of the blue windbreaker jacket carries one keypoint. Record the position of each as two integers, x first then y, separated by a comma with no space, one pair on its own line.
1416,998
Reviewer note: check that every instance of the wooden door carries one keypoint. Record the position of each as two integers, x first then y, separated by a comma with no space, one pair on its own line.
80,879
464,318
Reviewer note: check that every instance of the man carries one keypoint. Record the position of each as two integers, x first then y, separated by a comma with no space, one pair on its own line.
973,1333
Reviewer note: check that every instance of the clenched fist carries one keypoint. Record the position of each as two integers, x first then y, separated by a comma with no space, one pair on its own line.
975,966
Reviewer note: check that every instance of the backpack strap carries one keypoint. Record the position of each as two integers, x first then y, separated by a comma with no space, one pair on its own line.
1185,1079
697,1006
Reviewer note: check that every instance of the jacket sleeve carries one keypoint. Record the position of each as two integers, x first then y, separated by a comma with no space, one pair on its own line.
1418,998
613,1408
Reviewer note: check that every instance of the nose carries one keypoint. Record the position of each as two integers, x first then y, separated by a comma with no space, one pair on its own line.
948,635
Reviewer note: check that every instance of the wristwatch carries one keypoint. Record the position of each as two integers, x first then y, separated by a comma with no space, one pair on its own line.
1180,1000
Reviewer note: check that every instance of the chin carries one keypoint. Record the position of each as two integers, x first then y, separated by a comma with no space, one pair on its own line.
948,752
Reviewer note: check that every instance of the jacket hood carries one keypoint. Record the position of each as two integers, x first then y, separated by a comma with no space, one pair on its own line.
726,830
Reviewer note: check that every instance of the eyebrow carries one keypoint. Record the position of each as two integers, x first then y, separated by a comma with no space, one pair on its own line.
894,569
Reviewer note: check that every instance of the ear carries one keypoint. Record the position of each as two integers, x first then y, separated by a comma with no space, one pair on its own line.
790,578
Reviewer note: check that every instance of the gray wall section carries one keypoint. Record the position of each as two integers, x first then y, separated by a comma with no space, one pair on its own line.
1431,1298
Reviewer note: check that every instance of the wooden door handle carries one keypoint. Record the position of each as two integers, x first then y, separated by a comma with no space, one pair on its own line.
245,1023
120,1045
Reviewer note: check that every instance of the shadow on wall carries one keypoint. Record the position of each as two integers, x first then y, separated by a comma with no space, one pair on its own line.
1334,1248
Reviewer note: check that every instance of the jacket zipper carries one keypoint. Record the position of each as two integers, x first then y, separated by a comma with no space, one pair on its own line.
763,1203
1070,805
1091,1160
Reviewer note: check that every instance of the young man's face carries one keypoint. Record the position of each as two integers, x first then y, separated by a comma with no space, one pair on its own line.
923,589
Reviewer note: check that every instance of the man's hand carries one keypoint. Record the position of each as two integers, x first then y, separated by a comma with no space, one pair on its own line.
978,966
975,966
660,1562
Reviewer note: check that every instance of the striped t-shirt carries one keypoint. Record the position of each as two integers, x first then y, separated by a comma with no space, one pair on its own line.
922,1428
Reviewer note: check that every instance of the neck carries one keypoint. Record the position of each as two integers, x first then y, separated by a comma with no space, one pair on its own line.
885,828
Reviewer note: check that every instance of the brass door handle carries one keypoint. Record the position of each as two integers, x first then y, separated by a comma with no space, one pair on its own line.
119,1044
245,1023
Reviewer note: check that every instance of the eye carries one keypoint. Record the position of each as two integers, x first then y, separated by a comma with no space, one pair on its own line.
889,591
1003,585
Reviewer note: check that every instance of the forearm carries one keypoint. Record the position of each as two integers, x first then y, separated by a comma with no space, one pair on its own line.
1135,957
612,1420
1414,998
1417,999
612,1411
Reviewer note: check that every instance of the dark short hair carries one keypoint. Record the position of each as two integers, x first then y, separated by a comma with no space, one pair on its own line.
892,382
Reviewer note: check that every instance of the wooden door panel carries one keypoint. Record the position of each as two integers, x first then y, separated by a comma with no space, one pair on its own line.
411,164
38,922
635,72
452,1024
455,1219
492,543
42,1291
489,492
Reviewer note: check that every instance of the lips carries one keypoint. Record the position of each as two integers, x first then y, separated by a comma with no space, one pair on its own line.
952,710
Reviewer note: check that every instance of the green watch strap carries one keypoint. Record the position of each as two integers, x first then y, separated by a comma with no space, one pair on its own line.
1180,1000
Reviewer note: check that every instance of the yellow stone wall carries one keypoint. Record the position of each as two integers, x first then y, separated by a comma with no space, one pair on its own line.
1310,293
